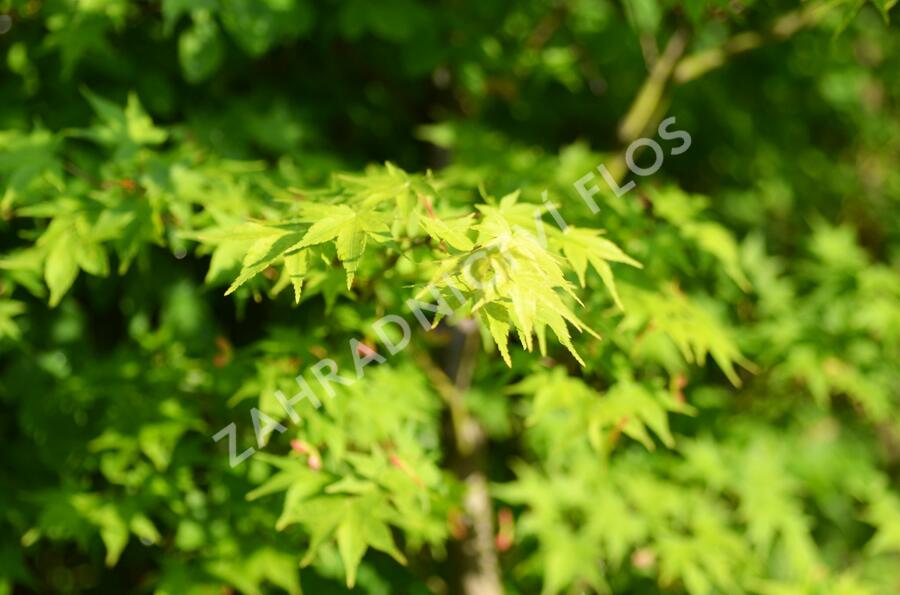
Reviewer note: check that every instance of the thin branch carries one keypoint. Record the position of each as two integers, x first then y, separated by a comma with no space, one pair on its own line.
673,68
479,569
447,391
644,106
699,63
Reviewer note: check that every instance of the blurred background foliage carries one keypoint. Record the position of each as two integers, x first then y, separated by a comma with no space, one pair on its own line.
736,430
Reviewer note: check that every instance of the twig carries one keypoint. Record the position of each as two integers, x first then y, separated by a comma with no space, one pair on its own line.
698,64
479,570
644,106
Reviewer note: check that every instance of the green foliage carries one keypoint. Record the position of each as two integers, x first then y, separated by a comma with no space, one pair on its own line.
689,387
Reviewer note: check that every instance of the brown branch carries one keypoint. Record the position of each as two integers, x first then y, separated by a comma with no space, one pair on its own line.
476,556
448,392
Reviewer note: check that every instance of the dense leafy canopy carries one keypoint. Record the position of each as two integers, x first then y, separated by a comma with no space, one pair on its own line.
315,296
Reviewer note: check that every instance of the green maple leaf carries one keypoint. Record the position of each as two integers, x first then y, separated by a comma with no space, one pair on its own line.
349,229
270,244
452,231
583,246
360,529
